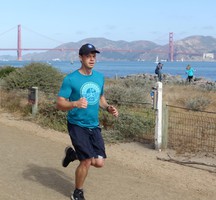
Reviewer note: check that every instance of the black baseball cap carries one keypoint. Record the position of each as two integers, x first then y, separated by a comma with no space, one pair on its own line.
87,49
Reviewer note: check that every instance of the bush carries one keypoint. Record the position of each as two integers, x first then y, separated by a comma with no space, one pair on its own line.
5,71
136,123
128,90
41,75
198,103
16,101
49,116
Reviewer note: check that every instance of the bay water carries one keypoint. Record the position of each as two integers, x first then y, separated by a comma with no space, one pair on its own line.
112,69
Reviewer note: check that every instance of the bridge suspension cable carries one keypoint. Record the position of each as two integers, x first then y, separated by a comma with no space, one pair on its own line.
42,35
1,34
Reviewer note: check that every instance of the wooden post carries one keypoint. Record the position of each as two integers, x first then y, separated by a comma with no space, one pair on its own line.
158,124
165,126
35,104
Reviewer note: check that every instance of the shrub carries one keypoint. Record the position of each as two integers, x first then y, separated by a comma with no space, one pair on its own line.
49,116
15,101
135,124
41,75
6,70
135,121
198,103
128,90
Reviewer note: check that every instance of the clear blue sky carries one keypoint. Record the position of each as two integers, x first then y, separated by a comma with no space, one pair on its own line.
48,23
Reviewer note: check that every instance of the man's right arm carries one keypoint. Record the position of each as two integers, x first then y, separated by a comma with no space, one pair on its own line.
65,105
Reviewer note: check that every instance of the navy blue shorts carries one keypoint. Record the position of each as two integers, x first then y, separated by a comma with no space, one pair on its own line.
88,143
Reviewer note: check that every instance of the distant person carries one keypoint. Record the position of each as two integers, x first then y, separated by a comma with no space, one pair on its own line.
82,94
158,71
190,73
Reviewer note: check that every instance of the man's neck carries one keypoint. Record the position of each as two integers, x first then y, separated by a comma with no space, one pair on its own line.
85,71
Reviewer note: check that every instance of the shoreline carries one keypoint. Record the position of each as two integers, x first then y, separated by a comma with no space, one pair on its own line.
111,69
172,78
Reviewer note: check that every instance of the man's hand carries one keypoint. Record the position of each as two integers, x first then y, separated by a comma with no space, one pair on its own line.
82,103
113,111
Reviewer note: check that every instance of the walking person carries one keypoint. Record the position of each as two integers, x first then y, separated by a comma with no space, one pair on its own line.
82,94
158,71
190,73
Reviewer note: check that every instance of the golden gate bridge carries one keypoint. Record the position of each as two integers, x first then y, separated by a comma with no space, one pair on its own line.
19,48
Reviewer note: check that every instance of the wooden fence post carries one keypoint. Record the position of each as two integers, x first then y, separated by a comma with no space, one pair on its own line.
33,99
35,105
165,118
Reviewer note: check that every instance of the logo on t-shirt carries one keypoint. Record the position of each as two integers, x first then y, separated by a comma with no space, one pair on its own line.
91,91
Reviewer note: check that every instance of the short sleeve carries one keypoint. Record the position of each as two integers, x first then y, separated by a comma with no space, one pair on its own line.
66,89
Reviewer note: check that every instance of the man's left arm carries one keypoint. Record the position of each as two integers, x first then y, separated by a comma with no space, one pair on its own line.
109,108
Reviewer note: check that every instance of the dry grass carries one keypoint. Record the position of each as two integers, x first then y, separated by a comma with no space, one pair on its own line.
180,95
190,131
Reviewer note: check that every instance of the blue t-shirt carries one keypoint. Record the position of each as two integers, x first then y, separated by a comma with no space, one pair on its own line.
190,72
77,85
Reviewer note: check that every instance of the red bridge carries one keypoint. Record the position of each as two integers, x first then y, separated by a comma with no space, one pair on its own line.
19,48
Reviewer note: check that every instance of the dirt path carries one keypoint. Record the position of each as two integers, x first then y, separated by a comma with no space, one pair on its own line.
30,168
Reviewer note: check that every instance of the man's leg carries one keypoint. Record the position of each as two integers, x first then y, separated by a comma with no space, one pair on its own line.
70,156
81,173
82,170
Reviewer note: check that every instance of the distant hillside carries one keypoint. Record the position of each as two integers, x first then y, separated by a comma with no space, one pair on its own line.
196,45
190,48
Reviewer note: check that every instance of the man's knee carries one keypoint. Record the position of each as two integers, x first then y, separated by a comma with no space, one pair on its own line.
85,163
98,162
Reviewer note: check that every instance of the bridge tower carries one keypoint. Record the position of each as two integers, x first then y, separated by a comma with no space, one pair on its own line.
171,47
19,49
